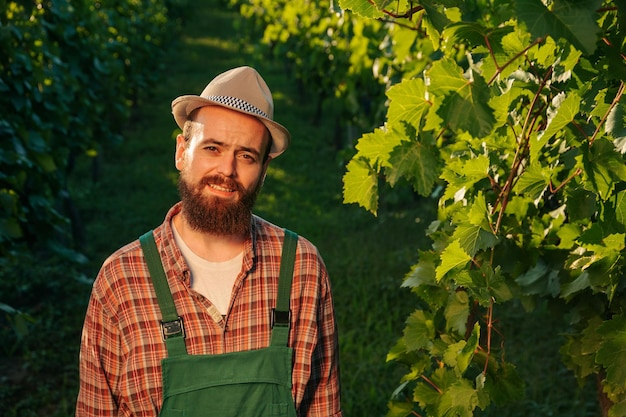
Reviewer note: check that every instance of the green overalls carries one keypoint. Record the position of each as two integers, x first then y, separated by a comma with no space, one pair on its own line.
254,383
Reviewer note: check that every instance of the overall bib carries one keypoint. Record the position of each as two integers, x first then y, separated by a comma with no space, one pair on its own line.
254,383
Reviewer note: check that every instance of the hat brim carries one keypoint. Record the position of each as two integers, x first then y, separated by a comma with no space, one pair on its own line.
184,105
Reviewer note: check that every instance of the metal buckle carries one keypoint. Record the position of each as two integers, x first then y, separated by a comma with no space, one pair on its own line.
280,318
172,328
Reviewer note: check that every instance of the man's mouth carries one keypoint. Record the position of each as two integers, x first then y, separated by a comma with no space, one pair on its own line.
222,188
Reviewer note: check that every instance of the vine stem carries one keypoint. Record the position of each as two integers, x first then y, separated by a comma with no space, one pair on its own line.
506,64
431,383
616,100
489,331
520,154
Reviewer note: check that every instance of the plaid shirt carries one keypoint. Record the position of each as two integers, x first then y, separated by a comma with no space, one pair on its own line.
122,348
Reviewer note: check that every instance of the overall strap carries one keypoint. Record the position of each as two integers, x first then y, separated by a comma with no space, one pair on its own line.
171,323
281,315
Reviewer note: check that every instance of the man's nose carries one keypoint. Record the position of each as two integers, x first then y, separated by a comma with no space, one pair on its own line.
227,165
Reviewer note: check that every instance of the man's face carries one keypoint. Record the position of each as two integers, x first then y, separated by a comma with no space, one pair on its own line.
221,170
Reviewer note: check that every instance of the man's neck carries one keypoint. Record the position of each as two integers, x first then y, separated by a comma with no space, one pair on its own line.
214,248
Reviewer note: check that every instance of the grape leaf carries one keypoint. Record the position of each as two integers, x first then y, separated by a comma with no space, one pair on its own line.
573,21
474,238
564,109
418,163
408,102
620,207
465,102
362,8
504,384
603,166
377,146
533,181
459,400
453,256
612,352
419,331
361,185
457,311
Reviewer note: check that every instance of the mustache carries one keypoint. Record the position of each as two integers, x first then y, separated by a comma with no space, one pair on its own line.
221,181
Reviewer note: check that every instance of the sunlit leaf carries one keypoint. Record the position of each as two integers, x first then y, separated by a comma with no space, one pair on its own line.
360,185
362,8
452,257
533,181
459,400
377,146
408,103
418,163
564,110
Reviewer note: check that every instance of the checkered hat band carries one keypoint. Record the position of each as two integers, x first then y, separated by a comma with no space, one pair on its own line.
238,104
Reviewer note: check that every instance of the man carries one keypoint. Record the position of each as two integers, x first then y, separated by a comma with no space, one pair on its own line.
220,352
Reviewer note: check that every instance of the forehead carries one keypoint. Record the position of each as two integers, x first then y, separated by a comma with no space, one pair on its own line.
226,125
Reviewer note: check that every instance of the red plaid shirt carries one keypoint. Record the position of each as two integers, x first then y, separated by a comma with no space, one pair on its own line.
122,348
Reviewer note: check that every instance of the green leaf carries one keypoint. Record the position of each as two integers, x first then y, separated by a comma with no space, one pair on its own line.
533,181
581,204
418,163
612,352
504,384
563,110
459,355
360,185
419,331
463,174
399,408
408,103
474,238
620,207
540,279
465,102
574,21
603,166
459,400
376,147
423,273
453,256
362,8
579,284
457,312
425,395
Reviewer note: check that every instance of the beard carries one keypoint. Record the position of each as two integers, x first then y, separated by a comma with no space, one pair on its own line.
214,215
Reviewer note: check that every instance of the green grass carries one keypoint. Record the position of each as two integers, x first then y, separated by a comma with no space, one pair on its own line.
366,256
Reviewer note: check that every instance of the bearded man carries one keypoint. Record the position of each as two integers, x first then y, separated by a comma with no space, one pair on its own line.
216,312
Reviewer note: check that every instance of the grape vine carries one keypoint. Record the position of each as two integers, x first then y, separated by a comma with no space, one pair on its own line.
516,109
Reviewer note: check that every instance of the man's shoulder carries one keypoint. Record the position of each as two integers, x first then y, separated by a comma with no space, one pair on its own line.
267,231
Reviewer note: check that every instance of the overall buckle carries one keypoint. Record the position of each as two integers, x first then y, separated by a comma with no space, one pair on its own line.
280,318
172,328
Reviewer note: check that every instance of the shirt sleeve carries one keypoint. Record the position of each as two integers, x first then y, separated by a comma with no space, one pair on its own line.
99,361
322,394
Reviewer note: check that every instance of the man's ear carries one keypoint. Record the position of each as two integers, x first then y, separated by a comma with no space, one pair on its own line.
180,154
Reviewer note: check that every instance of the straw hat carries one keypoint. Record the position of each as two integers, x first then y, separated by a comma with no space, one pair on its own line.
241,89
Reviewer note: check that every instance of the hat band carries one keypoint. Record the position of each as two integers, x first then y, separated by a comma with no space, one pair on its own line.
238,104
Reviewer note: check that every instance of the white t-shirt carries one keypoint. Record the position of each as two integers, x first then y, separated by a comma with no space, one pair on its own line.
214,280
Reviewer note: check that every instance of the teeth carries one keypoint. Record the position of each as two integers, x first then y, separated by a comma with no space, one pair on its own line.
219,188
